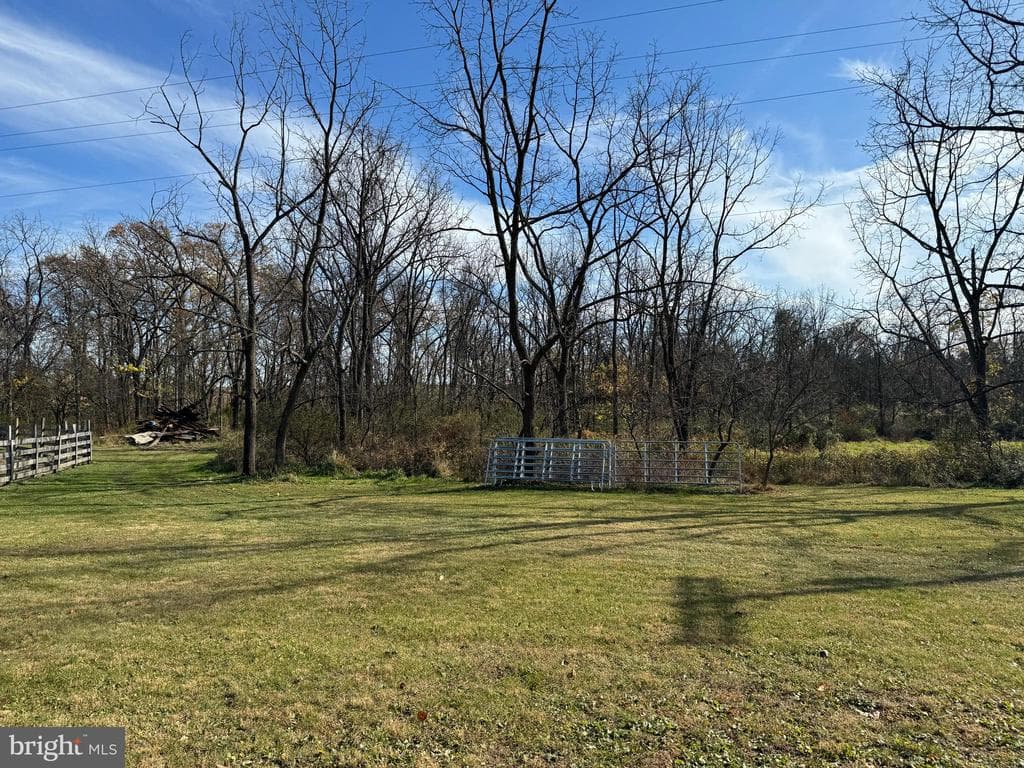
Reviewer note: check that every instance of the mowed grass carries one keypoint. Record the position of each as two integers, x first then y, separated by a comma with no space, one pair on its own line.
309,622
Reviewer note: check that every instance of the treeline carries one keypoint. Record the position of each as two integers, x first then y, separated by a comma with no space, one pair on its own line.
328,293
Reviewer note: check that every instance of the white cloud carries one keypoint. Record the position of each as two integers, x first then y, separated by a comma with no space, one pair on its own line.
824,254
43,65
47,65
858,69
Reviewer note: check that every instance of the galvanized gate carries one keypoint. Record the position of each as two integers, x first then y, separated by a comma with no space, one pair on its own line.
550,460
603,463
672,462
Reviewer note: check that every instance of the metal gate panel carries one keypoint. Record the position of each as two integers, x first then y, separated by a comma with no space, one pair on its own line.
603,464
550,460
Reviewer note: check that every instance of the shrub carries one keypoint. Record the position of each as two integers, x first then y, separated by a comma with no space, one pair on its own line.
934,465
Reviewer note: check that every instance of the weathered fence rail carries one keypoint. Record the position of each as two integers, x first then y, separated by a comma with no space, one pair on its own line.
43,452
606,463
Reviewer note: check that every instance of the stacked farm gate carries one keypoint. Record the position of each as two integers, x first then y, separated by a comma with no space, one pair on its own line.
43,452
551,460
606,463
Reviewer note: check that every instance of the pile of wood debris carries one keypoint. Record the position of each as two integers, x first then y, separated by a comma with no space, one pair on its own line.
171,426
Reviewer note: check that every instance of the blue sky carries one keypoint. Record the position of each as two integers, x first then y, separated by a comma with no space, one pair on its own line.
62,48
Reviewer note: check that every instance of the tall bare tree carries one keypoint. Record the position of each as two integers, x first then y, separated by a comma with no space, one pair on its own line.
704,170
532,126
296,102
940,224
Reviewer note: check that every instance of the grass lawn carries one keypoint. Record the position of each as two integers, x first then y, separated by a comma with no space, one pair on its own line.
309,622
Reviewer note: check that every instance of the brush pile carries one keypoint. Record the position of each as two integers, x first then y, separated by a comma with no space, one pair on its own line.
171,426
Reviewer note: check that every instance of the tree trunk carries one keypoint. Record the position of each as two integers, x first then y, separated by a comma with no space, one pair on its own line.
677,392
249,404
768,466
281,438
529,405
560,424
341,403
982,415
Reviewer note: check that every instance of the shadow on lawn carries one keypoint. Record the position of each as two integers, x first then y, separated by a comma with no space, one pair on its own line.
332,538
168,576
708,612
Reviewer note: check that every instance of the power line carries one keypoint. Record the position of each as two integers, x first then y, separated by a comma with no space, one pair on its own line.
763,59
712,46
229,125
142,89
634,14
196,174
812,53
107,184
92,139
798,95
771,38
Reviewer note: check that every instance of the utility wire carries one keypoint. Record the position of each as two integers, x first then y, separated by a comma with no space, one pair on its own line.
634,14
771,38
142,89
763,59
197,174
808,53
712,46
13,195
107,184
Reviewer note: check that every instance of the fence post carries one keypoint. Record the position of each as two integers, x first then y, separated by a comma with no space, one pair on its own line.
9,454
60,444
35,456
88,437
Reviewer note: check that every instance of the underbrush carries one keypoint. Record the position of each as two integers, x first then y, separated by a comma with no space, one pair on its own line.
898,464
451,449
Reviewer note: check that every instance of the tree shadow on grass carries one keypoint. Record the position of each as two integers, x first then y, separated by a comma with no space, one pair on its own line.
709,613
431,532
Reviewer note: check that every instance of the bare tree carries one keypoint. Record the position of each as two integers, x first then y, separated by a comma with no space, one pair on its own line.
25,244
296,104
331,121
790,368
704,169
980,43
533,129
390,220
940,224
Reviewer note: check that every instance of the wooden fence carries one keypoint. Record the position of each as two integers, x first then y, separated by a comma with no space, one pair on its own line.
44,451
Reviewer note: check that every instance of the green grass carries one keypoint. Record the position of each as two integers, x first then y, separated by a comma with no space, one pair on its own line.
308,622
907,447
